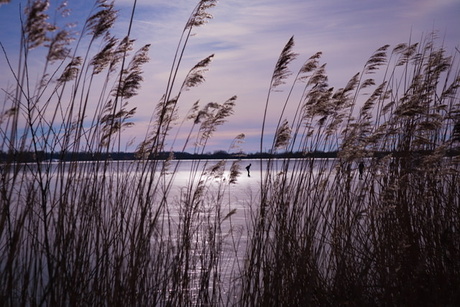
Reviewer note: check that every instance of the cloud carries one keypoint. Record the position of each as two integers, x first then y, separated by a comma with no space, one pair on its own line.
247,37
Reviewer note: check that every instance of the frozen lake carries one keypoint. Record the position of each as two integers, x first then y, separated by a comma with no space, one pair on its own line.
199,217
204,195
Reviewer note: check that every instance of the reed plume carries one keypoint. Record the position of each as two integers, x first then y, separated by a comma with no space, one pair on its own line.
196,75
37,28
283,135
200,15
101,21
280,73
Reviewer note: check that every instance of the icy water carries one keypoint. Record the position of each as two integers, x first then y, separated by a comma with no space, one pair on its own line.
204,185
220,213
176,181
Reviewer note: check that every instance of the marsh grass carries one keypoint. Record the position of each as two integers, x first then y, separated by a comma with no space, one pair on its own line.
105,233
102,232
389,239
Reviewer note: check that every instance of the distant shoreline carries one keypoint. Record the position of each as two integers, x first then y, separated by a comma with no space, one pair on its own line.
219,155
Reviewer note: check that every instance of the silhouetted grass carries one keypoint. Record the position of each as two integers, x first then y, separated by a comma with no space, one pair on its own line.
320,235
115,233
103,232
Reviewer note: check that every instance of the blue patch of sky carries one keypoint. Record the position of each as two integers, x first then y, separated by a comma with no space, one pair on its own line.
156,12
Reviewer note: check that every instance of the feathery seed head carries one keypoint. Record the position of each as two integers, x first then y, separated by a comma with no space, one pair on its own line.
239,139
104,57
132,76
283,135
200,15
214,115
101,21
311,64
234,172
58,49
37,26
193,112
377,59
71,71
121,52
281,71
196,75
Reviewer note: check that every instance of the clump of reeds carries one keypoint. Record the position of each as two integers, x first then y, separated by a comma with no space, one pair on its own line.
101,232
322,236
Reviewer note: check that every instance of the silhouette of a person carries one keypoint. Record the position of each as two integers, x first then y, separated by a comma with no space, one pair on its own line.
248,169
361,169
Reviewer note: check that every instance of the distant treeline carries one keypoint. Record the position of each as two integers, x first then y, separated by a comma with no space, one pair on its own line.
27,156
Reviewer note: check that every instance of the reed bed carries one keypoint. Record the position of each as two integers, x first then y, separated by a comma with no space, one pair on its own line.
103,232
388,238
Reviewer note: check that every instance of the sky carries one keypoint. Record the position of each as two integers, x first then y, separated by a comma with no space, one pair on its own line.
246,38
